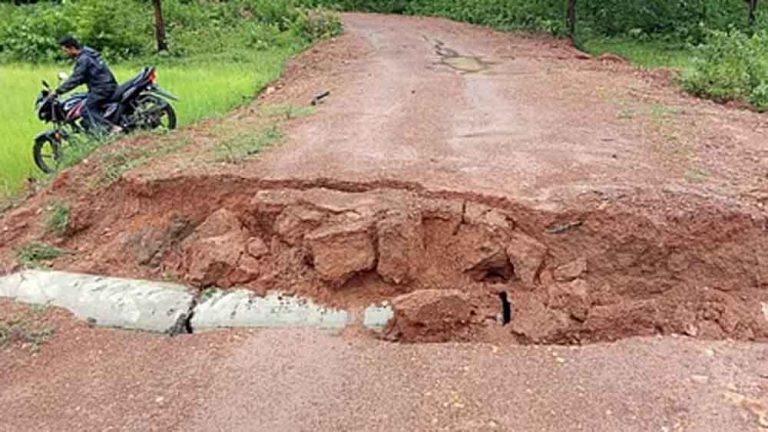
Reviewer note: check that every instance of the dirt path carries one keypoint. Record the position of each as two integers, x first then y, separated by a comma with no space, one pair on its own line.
451,107
90,379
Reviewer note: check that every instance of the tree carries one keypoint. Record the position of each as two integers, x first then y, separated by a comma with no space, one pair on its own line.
162,44
570,20
752,13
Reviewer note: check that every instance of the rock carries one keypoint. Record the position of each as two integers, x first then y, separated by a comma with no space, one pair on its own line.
210,260
430,316
295,222
212,254
572,298
479,214
341,251
533,322
526,254
572,270
489,263
220,222
441,209
400,245
256,247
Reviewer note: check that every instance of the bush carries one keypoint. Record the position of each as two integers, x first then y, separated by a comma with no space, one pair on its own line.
316,24
125,29
731,66
680,20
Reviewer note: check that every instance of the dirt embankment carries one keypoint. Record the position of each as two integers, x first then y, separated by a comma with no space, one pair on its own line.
540,205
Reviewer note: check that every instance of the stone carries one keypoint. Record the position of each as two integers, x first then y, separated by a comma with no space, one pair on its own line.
211,259
526,254
213,252
571,297
341,251
295,222
400,245
430,316
494,219
220,222
441,209
256,247
572,270
533,321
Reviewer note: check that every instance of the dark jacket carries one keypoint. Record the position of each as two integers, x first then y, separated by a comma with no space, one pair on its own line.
90,70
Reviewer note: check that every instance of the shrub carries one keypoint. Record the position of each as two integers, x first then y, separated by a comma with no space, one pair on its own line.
731,66
125,29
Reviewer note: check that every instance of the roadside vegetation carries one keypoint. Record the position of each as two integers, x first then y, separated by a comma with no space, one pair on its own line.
219,55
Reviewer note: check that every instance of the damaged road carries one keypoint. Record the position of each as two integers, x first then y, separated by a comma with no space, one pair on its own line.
526,192
456,185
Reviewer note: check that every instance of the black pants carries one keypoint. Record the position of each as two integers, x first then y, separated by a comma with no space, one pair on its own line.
94,109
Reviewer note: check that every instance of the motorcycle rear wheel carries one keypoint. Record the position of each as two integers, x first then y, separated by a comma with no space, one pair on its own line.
153,113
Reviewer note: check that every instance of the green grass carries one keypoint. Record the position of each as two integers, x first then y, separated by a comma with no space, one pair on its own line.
26,333
56,218
650,54
205,88
30,255
239,147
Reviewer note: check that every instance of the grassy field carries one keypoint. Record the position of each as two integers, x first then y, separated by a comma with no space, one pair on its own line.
205,89
643,53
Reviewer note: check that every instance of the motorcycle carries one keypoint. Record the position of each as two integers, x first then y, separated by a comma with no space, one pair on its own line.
138,104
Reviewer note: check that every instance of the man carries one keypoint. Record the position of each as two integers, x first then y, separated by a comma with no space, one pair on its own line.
90,70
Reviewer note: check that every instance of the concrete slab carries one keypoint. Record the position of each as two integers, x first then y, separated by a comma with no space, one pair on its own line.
105,301
242,309
376,317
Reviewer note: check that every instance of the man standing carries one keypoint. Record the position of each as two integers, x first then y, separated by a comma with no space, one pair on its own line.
92,71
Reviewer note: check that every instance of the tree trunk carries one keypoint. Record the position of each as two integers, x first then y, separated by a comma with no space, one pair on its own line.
162,45
752,14
570,20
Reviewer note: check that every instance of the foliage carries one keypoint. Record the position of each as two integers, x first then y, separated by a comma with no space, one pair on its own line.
57,218
31,254
678,20
124,30
731,66
30,335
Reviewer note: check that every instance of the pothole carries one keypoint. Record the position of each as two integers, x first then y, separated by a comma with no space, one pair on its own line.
620,271
456,61
466,64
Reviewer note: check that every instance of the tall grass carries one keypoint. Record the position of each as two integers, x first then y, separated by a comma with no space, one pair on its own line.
205,89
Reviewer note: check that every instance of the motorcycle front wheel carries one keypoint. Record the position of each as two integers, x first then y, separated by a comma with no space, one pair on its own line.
47,153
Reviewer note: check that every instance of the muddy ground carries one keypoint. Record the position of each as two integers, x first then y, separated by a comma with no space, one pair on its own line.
92,379
493,186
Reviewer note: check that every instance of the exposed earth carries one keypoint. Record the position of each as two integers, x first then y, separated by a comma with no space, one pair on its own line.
498,189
